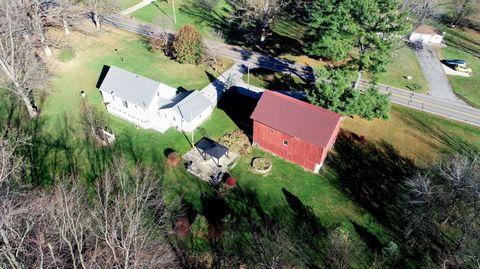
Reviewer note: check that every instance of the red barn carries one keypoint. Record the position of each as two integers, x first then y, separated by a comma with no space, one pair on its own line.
294,130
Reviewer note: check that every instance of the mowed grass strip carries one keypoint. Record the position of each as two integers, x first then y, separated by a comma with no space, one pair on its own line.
404,64
124,4
419,136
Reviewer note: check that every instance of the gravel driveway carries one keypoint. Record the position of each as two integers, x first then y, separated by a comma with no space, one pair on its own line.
437,79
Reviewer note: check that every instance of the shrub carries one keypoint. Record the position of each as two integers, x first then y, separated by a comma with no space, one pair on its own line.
182,227
237,142
188,45
158,42
173,159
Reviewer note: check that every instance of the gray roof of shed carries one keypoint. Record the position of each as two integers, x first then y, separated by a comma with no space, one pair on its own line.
192,105
130,87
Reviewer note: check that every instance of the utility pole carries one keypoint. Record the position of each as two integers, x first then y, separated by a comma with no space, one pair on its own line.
248,75
174,14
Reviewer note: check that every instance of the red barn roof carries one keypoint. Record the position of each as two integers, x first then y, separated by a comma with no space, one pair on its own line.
288,115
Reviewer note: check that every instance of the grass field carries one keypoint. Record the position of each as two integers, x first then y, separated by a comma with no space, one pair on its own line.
60,145
62,109
404,63
416,135
123,4
161,13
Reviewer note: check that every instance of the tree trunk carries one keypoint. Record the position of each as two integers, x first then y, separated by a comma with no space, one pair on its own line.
357,82
65,27
47,50
96,19
459,15
29,103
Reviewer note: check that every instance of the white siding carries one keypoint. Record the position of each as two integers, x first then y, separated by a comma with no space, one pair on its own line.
132,113
192,125
426,38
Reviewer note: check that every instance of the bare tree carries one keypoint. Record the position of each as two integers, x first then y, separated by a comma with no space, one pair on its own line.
62,14
257,15
443,210
420,10
121,226
23,73
100,8
462,8
344,250
11,162
123,198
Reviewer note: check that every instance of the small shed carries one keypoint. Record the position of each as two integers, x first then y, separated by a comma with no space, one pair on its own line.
426,34
208,147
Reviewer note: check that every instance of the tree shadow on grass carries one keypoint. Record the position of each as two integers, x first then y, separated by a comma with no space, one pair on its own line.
280,81
373,175
231,31
452,142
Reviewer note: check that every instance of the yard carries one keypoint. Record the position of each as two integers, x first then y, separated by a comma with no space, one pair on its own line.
405,63
187,12
276,81
123,4
462,43
334,196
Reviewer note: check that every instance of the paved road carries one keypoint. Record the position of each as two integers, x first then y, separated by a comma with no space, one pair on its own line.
438,85
235,53
432,104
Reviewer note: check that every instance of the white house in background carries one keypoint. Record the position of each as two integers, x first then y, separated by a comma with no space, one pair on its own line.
426,34
150,104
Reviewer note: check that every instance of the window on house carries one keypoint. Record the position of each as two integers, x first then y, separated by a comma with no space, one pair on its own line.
285,142
125,104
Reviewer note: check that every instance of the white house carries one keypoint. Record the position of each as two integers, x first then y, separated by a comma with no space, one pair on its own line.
150,104
426,34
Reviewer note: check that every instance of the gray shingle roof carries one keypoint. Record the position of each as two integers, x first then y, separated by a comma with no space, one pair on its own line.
129,86
192,105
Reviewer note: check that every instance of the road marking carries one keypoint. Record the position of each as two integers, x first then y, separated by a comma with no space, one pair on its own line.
438,106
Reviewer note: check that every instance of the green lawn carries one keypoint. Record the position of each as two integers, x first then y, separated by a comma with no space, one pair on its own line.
60,117
123,4
417,135
405,63
59,144
161,13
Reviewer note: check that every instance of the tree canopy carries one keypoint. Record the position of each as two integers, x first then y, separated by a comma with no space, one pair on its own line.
366,31
334,91
443,208
188,45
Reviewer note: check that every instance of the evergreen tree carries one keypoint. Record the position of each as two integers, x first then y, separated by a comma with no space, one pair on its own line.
334,91
367,31
188,45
